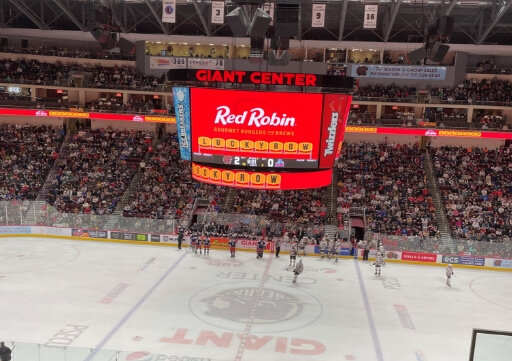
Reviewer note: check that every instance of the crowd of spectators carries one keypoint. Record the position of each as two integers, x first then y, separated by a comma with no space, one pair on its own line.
475,91
115,104
361,118
306,206
124,77
390,181
23,71
443,118
34,72
27,154
166,189
391,93
97,170
491,122
476,185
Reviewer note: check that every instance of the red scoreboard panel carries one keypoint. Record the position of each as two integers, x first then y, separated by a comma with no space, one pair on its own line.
256,129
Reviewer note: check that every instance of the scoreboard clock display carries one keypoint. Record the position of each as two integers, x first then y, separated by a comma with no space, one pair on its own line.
237,161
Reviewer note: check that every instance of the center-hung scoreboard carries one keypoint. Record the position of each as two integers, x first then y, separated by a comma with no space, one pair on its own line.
260,139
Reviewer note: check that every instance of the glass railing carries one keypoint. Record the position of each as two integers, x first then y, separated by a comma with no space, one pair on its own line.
37,352
41,214
453,246
14,214
256,224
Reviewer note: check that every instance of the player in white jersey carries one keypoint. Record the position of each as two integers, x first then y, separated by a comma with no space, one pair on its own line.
293,254
449,273
382,252
298,270
330,248
337,249
379,260
302,247
323,248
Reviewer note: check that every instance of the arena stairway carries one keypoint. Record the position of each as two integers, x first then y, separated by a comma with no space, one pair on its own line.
132,188
332,197
33,210
63,154
441,217
230,199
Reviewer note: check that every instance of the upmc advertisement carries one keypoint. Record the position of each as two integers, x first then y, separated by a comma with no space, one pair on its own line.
256,129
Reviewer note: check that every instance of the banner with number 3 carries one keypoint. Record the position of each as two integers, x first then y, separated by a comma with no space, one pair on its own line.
217,12
318,16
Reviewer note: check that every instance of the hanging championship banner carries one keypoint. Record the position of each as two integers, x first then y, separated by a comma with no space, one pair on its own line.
370,16
217,12
318,16
269,9
169,11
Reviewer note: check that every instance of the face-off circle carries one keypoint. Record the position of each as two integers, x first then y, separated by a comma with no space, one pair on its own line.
273,308
23,256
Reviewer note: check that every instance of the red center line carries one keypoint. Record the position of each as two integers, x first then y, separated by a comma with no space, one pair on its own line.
248,325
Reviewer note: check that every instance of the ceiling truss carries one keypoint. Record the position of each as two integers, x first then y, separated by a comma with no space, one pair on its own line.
476,22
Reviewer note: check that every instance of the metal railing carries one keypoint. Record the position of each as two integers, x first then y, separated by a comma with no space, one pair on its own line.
68,53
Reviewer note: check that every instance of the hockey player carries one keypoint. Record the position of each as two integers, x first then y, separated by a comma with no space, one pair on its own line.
298,270
302,246
323,248
193,241
330,246
378,262
382,252
232,245
199,242
206,245
293,254
449,273
181,233
337,249
259,248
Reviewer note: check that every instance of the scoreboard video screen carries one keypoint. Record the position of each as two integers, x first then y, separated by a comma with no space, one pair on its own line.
255,129
240,138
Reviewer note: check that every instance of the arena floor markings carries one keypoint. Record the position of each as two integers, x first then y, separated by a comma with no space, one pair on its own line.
180,306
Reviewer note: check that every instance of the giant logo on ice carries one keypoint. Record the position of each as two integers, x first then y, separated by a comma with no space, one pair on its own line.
273,308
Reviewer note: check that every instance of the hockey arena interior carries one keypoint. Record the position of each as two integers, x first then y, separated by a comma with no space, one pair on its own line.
227,180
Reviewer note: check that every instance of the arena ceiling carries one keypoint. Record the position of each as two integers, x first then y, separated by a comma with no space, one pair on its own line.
402,21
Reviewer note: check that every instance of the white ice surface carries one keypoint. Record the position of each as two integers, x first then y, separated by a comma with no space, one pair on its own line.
165,301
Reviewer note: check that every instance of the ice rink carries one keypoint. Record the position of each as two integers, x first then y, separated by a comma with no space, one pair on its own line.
181,306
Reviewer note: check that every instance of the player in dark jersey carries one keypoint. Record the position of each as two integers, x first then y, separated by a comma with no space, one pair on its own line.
232,245
206,245
199,243
193,241
260,247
